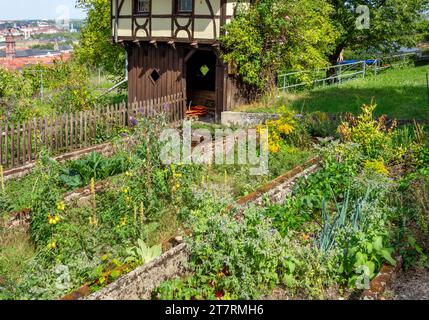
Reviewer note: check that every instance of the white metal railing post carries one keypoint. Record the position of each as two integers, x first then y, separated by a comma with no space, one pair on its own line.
339,76
284,83
363,69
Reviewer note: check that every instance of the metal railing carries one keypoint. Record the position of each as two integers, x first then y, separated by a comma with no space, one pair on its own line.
341,73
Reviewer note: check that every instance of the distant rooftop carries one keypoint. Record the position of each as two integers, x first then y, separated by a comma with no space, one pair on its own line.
37,52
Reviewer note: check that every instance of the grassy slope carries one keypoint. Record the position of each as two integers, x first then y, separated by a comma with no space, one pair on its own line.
400,93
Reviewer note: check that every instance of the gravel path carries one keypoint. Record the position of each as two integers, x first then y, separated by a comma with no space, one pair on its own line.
411,285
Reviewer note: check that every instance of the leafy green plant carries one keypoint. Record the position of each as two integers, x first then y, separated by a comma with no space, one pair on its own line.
232,259
80,172
352,231
142,253
412,253
287,216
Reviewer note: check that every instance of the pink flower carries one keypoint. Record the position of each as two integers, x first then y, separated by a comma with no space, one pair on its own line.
287,17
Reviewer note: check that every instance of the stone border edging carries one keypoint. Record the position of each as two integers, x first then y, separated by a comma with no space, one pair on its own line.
105,149
139,284
233,118
257,195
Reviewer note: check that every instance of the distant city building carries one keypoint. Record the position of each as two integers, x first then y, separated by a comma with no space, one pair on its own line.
10,47
17,53
72,29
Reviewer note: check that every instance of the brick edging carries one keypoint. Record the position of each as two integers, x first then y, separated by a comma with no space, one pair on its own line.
382,281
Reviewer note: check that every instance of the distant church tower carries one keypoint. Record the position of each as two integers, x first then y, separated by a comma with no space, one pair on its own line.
10,46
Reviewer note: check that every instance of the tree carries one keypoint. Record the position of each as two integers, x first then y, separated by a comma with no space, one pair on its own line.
391,24
95,47
277,35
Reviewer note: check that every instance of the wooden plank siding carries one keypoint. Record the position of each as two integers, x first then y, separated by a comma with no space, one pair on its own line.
169,62
20,143
164,60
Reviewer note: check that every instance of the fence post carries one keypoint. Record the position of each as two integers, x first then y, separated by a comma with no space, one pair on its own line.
1,144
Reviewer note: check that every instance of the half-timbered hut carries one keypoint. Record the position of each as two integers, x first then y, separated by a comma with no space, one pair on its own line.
173,47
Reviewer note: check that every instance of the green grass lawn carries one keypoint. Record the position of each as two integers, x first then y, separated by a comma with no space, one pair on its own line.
400,93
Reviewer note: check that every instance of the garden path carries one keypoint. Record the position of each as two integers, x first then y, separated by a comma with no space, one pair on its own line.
411,285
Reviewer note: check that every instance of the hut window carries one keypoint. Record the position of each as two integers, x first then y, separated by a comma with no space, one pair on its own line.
184,5
155,75
143,6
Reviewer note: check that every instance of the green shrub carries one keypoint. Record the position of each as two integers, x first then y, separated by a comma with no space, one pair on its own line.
373,136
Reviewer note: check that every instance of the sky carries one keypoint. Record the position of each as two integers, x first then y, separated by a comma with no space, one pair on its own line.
39,9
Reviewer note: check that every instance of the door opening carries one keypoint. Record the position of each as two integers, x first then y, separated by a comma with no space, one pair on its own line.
201,85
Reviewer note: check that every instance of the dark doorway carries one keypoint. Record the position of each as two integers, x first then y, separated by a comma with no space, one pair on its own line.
201,83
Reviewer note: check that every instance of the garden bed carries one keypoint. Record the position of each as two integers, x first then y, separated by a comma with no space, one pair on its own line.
337,230
154,219
139,284
338,224
105,149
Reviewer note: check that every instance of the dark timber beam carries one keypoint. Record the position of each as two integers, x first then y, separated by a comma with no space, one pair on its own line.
171,43
190,54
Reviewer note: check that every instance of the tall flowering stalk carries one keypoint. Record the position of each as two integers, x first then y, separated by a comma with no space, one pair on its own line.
93,220
142,217
2,179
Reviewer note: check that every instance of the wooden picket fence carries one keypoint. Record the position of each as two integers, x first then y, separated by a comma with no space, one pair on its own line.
21,142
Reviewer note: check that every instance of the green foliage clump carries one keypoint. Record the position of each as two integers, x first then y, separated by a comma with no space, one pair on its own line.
65,89
95,166
373,136
275,35
95,49
359,230
392,24
236,259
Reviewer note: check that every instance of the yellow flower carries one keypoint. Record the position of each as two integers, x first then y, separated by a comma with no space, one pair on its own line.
61,206
305,237
123,222
52,245
285,128
93,221
53,219
125,190
128,174
376,166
